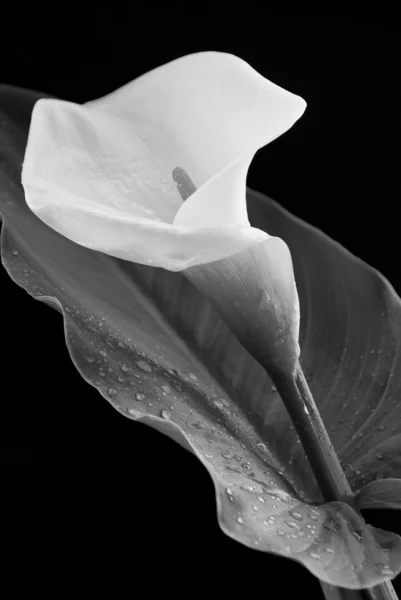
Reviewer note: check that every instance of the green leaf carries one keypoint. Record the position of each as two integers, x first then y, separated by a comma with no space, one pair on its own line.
384,493
157,351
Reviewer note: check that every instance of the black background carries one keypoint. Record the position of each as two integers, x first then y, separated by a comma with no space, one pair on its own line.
88,493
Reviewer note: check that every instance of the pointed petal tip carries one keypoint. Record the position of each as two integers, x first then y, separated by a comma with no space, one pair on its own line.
302,107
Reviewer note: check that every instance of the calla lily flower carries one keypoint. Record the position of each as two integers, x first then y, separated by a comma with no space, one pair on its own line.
101,173
155,173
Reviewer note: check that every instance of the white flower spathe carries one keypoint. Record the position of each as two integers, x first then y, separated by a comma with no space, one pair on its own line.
101,173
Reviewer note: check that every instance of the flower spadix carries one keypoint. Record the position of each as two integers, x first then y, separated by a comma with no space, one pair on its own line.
155,172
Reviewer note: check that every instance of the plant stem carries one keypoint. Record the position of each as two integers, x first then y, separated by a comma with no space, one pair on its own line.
316,441
383,591
326,467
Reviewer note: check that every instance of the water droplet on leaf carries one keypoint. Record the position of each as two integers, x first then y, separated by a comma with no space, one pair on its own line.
134,413
144,366
292,524
226,455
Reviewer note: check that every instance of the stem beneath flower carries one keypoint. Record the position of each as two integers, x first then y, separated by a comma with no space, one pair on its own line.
326,467
315,439
383,591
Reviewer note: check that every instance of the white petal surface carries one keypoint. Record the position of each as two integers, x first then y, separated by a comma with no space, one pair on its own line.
100,173
213,105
